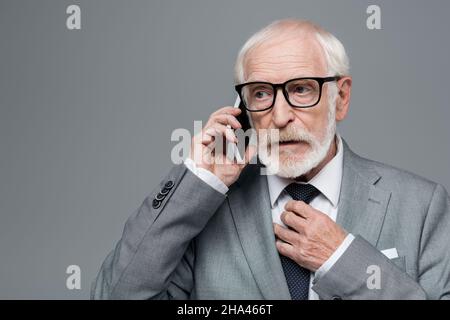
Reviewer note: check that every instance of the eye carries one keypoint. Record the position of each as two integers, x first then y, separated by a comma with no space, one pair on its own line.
302,89
261,94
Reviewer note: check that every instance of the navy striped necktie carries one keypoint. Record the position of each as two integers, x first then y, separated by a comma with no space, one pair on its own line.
297,277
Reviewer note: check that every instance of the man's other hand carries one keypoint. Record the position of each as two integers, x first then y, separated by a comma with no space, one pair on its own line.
311,236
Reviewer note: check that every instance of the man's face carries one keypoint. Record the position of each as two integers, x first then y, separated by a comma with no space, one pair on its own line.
305,134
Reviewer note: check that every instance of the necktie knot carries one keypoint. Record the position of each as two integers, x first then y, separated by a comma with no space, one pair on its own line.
302,192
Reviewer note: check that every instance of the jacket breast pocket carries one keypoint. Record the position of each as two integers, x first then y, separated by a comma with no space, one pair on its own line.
400,262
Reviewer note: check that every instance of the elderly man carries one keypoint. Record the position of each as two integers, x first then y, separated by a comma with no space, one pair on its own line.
328,224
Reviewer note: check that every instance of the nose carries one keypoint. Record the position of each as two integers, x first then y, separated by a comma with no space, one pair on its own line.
282,113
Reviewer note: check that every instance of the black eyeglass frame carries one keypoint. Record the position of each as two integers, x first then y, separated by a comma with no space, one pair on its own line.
275,87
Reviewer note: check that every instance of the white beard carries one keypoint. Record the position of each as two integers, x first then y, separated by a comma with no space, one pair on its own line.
291,165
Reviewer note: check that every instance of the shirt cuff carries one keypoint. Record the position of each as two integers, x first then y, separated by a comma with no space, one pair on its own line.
207,176
326,266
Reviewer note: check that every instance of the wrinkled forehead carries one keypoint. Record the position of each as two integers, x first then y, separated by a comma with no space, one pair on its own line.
285,57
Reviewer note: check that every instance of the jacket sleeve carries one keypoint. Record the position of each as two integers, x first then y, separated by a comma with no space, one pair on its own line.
155,256
349,276
434,258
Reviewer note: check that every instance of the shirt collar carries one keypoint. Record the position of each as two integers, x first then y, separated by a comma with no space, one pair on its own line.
327,181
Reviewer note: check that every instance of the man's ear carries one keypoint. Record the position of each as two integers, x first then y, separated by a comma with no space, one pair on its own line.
343,99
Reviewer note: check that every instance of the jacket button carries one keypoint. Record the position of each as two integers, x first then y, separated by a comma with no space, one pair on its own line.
169,184
160,196
336,298
156,204
164,191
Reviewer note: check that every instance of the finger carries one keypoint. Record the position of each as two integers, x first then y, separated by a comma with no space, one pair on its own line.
293,221
285,249
227,119
227,110
221,159
227,160
285,234
230,135
215,148
208,136
205,153
219,129
300,208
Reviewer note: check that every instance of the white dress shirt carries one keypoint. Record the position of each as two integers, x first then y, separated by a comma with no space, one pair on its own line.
327,181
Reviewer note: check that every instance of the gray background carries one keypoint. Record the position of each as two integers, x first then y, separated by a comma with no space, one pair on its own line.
86,116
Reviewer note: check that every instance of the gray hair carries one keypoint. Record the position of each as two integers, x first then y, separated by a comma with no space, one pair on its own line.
334,51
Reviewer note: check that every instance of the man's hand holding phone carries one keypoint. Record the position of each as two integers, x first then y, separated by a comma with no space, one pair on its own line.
204,150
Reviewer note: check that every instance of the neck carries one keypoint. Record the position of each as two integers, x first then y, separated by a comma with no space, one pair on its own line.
330,155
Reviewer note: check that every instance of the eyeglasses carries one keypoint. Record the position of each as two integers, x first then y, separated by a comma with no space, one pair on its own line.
299,93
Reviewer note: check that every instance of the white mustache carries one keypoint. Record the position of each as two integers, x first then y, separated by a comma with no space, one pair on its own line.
292,133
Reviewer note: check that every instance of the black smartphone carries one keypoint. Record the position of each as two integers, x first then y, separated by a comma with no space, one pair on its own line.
243,118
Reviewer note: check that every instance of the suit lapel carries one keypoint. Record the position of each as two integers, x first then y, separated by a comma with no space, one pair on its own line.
362,204
251,212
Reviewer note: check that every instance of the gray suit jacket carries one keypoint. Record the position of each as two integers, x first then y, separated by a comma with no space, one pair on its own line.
196,243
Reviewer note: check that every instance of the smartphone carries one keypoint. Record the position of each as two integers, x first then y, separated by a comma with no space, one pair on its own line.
243,116
245,123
